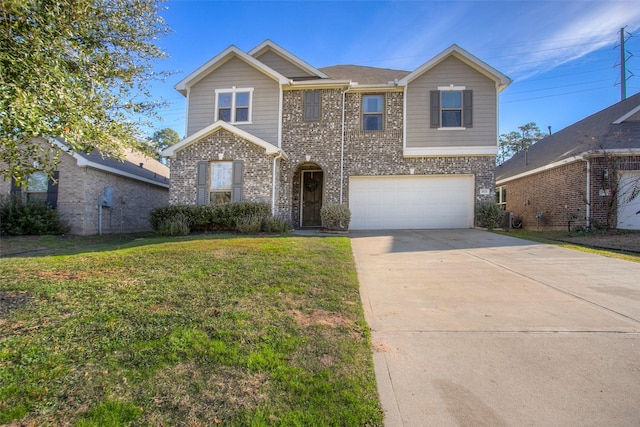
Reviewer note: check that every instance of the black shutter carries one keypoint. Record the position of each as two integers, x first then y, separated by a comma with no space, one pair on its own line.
236,189
467,108
435,108
201,183
16,190
52,190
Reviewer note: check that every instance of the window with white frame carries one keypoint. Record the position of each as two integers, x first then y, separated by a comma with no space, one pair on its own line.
451,107
220,182
372,112
234,105
501,196
38,184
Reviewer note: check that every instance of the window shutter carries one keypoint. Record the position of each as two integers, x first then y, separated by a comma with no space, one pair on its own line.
201,183
467,108
236,189
15,189
52,190
311,105
435,108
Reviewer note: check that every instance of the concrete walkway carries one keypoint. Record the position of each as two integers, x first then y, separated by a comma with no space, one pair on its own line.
471,328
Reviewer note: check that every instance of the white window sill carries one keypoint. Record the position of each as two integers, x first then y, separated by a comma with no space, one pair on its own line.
452,128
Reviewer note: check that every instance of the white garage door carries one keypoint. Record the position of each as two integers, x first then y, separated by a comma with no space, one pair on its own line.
629,201
419,202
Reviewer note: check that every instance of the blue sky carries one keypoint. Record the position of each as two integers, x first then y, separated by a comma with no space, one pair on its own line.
561,55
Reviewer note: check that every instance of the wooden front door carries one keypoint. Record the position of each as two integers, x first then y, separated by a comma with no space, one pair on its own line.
311,198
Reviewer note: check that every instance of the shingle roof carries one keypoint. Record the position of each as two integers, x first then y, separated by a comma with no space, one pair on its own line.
362,74
596,133
126,166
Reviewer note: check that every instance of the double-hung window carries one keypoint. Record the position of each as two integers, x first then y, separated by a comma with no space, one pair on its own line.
221,182
38,183
234,105
372,112
451,108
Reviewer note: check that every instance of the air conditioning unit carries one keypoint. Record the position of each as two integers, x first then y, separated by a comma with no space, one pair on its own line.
507,220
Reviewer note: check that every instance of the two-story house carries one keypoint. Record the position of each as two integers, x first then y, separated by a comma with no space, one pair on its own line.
402,149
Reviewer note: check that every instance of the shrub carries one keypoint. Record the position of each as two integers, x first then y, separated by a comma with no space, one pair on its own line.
30,217
249,224
273,224
178,225
490,215
222,217
335,216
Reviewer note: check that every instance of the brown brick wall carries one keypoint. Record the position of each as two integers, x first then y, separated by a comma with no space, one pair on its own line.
258,167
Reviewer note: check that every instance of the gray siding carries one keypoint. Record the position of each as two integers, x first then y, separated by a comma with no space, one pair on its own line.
451,71
282,65
236,72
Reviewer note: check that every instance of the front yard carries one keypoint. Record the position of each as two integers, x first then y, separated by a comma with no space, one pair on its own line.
202,330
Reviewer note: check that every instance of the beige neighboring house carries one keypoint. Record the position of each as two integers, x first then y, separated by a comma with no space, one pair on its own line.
100,195
587,174
404,149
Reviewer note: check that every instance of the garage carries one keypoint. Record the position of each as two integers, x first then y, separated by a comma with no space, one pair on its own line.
413,202
629,200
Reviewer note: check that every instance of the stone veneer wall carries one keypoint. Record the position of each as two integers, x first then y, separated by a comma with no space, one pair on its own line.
366,153
257,174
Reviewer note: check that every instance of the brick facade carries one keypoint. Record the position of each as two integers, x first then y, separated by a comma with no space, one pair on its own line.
560,194
366,153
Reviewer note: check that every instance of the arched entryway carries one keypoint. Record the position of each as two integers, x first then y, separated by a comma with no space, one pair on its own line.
308,194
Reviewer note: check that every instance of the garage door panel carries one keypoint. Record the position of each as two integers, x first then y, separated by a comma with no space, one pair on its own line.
394,202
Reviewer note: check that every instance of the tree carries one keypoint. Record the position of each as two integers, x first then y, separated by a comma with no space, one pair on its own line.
512,142
78,70
162,139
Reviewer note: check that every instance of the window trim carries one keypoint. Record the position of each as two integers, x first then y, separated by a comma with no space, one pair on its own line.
501,191
369,113
234,91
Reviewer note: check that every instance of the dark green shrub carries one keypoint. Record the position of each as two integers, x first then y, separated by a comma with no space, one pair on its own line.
335,216
30,217
249,224
273,224
221,217
178,225
490,215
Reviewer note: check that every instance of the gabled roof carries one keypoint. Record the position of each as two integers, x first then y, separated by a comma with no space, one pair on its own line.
220,124
364,75
457,52
269,45
615,129
220,59
149,170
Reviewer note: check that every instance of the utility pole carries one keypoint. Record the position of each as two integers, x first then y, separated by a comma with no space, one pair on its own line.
623,68
624,57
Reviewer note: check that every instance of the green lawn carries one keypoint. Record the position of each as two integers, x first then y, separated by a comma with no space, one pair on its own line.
189,331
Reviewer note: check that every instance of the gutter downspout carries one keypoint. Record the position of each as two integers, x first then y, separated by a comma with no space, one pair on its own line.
344,92
588,194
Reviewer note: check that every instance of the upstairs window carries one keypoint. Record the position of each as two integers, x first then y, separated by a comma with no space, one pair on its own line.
311,105
234,105
451,108
372,112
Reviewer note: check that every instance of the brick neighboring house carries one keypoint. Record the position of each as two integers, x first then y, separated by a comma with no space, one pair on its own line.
586,174
133,187
403,149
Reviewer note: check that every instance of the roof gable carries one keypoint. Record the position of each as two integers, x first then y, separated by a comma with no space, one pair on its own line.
610,130
221,124
457,52
268,45
231,52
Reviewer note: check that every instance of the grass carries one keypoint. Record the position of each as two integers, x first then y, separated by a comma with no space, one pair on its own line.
191,331
592,242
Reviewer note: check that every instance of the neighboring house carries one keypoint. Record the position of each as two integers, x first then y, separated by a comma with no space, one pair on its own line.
99,195
402,149
586,174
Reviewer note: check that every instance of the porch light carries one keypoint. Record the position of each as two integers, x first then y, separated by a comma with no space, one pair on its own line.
412,171
308,157
220,156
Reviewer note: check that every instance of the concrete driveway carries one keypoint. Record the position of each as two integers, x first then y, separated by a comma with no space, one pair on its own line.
471,328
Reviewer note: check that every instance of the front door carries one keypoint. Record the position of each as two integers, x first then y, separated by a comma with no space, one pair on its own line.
311,198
